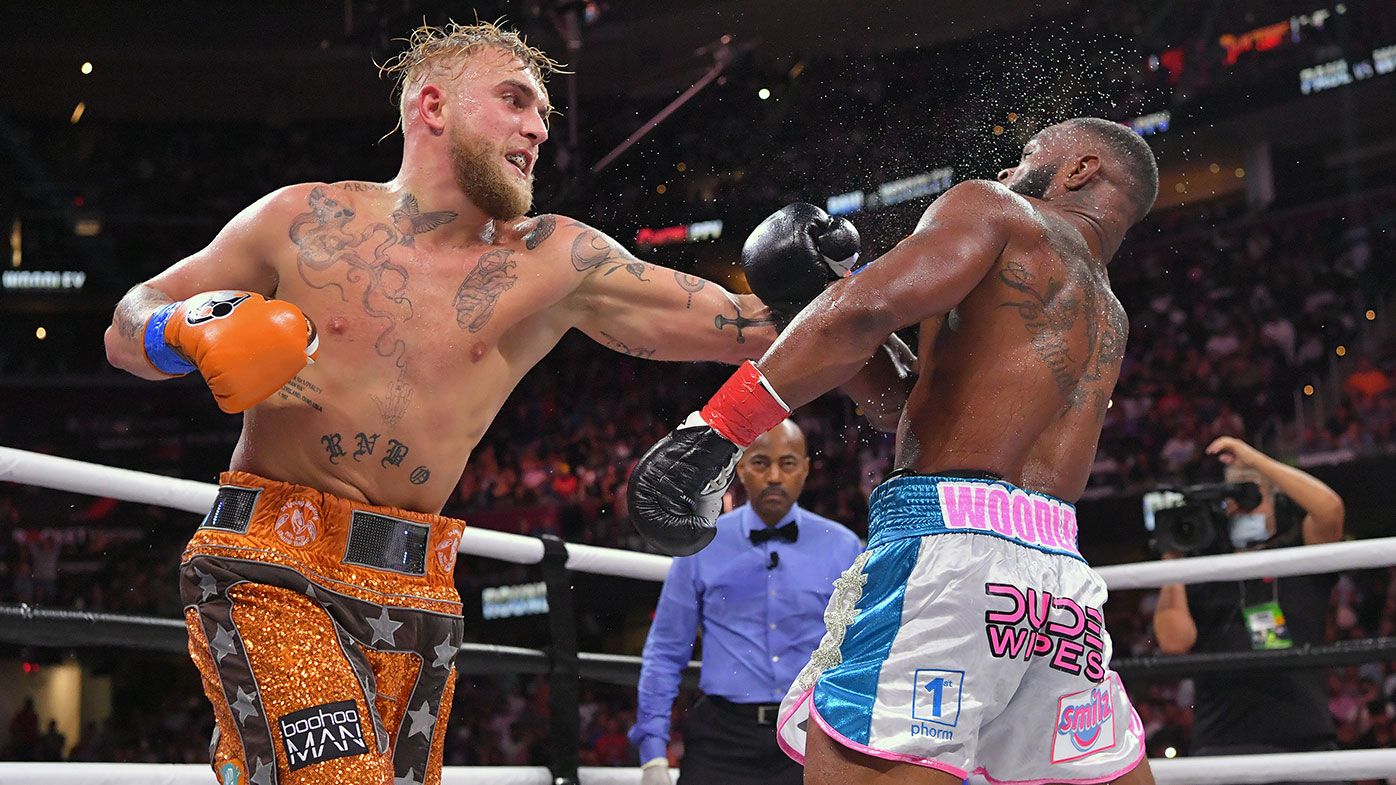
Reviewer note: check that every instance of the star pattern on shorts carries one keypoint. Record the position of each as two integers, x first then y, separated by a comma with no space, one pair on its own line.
423,720
410,779
223,643
445,653
384,629
261,773
207,585
244,707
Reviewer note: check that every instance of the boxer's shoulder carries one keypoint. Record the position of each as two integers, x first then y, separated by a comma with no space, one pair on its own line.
583,248
986,200
981,208
533,232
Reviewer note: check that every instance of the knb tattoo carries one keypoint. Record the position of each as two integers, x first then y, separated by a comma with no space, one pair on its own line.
366,444
332,446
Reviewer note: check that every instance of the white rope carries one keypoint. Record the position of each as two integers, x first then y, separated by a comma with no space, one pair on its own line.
68,475
1277,563
1221,770
65,474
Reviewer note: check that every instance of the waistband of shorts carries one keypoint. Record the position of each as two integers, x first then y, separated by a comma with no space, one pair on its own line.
918,505
382,549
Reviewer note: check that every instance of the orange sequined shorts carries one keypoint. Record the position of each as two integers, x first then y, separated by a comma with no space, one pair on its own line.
325,632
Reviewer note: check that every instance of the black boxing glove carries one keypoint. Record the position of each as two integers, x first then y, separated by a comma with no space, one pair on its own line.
792,255
675,492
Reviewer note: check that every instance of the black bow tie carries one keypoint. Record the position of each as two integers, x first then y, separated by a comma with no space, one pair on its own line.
789,532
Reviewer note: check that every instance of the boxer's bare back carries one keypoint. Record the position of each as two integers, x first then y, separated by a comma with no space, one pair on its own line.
1024,370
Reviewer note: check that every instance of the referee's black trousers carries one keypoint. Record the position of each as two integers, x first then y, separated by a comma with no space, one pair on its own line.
725,744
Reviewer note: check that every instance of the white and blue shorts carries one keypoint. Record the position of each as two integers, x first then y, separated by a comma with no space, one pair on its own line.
968,638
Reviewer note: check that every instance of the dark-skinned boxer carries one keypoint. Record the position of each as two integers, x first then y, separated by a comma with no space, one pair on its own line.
969,636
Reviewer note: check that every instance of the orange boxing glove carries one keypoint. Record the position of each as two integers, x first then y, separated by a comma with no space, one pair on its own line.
245,345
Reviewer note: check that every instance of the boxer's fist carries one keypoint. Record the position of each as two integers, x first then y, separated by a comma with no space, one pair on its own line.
245,346
676,490
792,255
675,493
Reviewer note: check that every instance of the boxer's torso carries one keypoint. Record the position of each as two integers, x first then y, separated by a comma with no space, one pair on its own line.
420,343
1022,371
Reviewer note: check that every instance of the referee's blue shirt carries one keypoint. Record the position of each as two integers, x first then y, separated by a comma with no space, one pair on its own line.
759,624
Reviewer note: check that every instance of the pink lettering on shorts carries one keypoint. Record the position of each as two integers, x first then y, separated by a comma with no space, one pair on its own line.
1023,622
1033,520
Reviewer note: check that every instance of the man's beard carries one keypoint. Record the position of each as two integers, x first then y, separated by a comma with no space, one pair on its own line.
479,173
1035,183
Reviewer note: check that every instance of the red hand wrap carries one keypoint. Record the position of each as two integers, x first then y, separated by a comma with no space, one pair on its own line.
744,407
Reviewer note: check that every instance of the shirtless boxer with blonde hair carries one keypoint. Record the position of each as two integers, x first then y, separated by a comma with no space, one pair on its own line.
371,332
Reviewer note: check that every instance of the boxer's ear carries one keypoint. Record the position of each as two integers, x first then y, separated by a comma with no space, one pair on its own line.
1081,172
430,105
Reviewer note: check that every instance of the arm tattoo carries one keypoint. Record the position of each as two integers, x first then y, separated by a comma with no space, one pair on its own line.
542,229
411,221
141,299
691,284
592,250
329,254
740,322
127,326
617,344
481,289
1049,318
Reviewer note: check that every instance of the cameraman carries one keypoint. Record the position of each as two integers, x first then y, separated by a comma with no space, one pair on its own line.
1272,711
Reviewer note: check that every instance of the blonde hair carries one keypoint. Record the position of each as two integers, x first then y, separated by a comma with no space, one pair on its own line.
429,47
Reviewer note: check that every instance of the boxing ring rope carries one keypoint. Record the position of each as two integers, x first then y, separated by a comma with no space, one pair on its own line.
29,626
65,474
1220,770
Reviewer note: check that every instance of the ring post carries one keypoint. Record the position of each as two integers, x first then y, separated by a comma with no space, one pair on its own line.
564,680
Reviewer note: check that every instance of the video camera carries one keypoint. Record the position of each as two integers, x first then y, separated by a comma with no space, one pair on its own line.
1193,519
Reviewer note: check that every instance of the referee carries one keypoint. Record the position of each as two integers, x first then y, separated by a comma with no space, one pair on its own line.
758,593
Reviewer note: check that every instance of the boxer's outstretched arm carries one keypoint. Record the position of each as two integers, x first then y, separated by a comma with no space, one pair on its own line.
926,275
238,258
648,311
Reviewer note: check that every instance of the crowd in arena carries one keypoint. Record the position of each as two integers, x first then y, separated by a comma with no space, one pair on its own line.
1266,324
